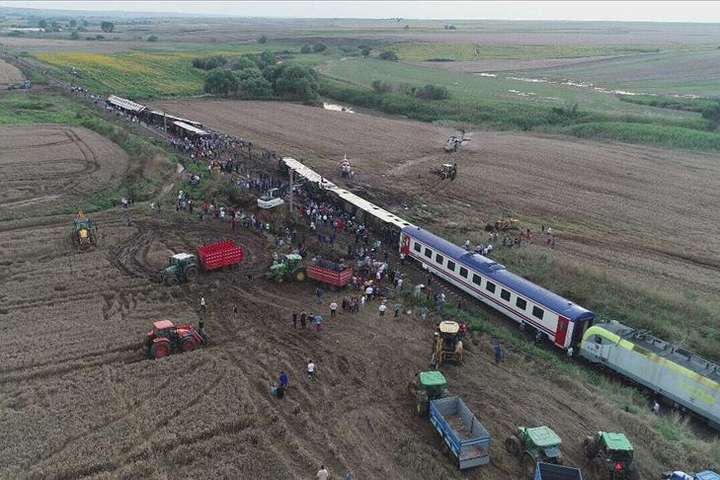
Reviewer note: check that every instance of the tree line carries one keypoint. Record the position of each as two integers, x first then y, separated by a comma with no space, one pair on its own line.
260,77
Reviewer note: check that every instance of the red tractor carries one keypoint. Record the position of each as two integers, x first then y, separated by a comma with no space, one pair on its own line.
166,338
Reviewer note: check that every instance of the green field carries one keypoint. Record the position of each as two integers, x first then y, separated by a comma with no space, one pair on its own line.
428,51
144,75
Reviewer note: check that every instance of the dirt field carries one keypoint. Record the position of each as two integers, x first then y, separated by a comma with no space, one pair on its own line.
636,212
79,401
50,167
9,74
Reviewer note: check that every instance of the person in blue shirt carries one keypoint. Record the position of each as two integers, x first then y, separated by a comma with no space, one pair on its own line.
498,353
279,391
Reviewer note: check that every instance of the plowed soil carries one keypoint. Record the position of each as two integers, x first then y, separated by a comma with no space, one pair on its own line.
78,399
9,74
638,212
49,167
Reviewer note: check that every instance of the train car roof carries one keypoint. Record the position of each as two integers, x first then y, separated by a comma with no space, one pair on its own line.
664,349
497,272
359,202
126,104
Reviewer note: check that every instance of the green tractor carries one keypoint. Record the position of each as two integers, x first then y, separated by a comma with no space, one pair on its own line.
613,452
83,232
430,385
182,267
533,445
287,267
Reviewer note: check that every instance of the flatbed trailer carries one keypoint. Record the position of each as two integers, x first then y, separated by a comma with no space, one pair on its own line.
547,471
462,432
336,278
220,254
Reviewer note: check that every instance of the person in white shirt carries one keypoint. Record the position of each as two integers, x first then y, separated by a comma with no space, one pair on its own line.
382,309
311,369
333,309
323,474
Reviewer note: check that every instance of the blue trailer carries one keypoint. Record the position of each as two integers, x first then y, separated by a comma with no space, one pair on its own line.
464,435
548,471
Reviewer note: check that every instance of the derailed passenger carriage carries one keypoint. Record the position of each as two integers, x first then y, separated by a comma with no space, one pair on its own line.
552,316
668,370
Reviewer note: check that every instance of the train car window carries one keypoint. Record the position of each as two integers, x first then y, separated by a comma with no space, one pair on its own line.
463,272
439,259
505,295
428,252
417,247
451,265
521,303
538,312
477,279
490,287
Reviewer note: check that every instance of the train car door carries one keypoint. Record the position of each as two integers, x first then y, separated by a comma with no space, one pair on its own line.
561,332
405,245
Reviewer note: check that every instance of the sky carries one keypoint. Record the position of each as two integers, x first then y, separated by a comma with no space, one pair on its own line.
663,11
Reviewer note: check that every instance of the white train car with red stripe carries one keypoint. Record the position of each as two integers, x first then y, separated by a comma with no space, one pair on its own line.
552,316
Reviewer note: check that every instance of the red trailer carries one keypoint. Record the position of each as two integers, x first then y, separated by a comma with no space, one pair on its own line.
218,255
337,278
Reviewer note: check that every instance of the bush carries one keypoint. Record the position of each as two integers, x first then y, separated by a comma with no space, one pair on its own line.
306,49
75,36
243,63
379,86
221,82
293,82
319,47
152,38
266,59
389,55
107,27
209,63
432,92
252,84
365,52
262,39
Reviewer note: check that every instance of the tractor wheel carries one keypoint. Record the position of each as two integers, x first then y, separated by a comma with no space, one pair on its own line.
512,445
187,344
191,274
300,276
590,447
170,280
529,465
159,350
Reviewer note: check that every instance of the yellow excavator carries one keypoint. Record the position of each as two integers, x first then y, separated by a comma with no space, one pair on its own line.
448,346
83,232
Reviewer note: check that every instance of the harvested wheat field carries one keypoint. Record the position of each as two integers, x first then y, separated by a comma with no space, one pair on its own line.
46,168
78,399
639,212
9,74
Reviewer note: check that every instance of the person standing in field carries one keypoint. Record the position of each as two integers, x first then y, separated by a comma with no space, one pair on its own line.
333,309
294,318
381,309
303,318
323,474
499,354
311,370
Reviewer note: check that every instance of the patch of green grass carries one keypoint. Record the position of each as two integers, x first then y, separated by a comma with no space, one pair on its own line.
672,103
424,51
647,134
